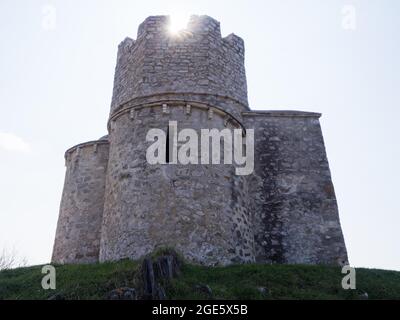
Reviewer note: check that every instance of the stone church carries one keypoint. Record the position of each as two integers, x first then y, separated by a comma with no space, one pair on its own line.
116,205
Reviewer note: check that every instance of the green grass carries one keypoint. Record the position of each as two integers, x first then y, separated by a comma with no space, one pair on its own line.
72,281
232,282
284,282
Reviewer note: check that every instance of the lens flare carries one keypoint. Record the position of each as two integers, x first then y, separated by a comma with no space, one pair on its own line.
177,23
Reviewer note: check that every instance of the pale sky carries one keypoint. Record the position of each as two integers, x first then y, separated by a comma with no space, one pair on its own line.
56,78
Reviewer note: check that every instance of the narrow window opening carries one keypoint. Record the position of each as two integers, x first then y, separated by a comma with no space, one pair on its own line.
167,158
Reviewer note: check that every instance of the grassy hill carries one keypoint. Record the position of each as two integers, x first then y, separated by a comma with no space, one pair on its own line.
232,282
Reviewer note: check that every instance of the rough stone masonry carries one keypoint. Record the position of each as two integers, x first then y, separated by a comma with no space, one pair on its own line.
115,205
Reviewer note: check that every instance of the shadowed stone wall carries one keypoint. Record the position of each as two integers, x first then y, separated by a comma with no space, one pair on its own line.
294,209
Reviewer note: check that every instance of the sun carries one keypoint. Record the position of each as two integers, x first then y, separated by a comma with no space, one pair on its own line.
177,23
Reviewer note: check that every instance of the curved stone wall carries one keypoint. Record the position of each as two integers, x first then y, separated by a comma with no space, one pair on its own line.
200,210
197,61
79,223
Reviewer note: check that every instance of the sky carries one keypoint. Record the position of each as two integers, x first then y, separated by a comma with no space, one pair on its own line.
340,58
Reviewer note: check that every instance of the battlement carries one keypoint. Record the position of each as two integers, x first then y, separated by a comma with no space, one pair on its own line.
197,25
195,60
153,25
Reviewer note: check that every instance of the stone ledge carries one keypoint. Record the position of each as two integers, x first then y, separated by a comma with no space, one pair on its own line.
282,113
175,103
116,109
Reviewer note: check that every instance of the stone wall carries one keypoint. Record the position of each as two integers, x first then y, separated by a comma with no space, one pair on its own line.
295,215
81,210
200,210
198,60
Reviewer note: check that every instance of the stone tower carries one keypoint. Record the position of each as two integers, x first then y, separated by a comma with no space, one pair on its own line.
116,205
81,211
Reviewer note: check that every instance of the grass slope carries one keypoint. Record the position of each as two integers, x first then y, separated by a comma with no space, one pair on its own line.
232,282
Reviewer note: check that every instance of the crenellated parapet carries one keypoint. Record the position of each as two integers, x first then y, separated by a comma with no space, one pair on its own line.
197,60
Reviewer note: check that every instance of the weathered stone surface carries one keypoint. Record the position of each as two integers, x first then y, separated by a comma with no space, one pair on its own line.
263,290
199,61
81,210
57,296
204,289
295,214
116,205
124,293
155,273
200,210
363,296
